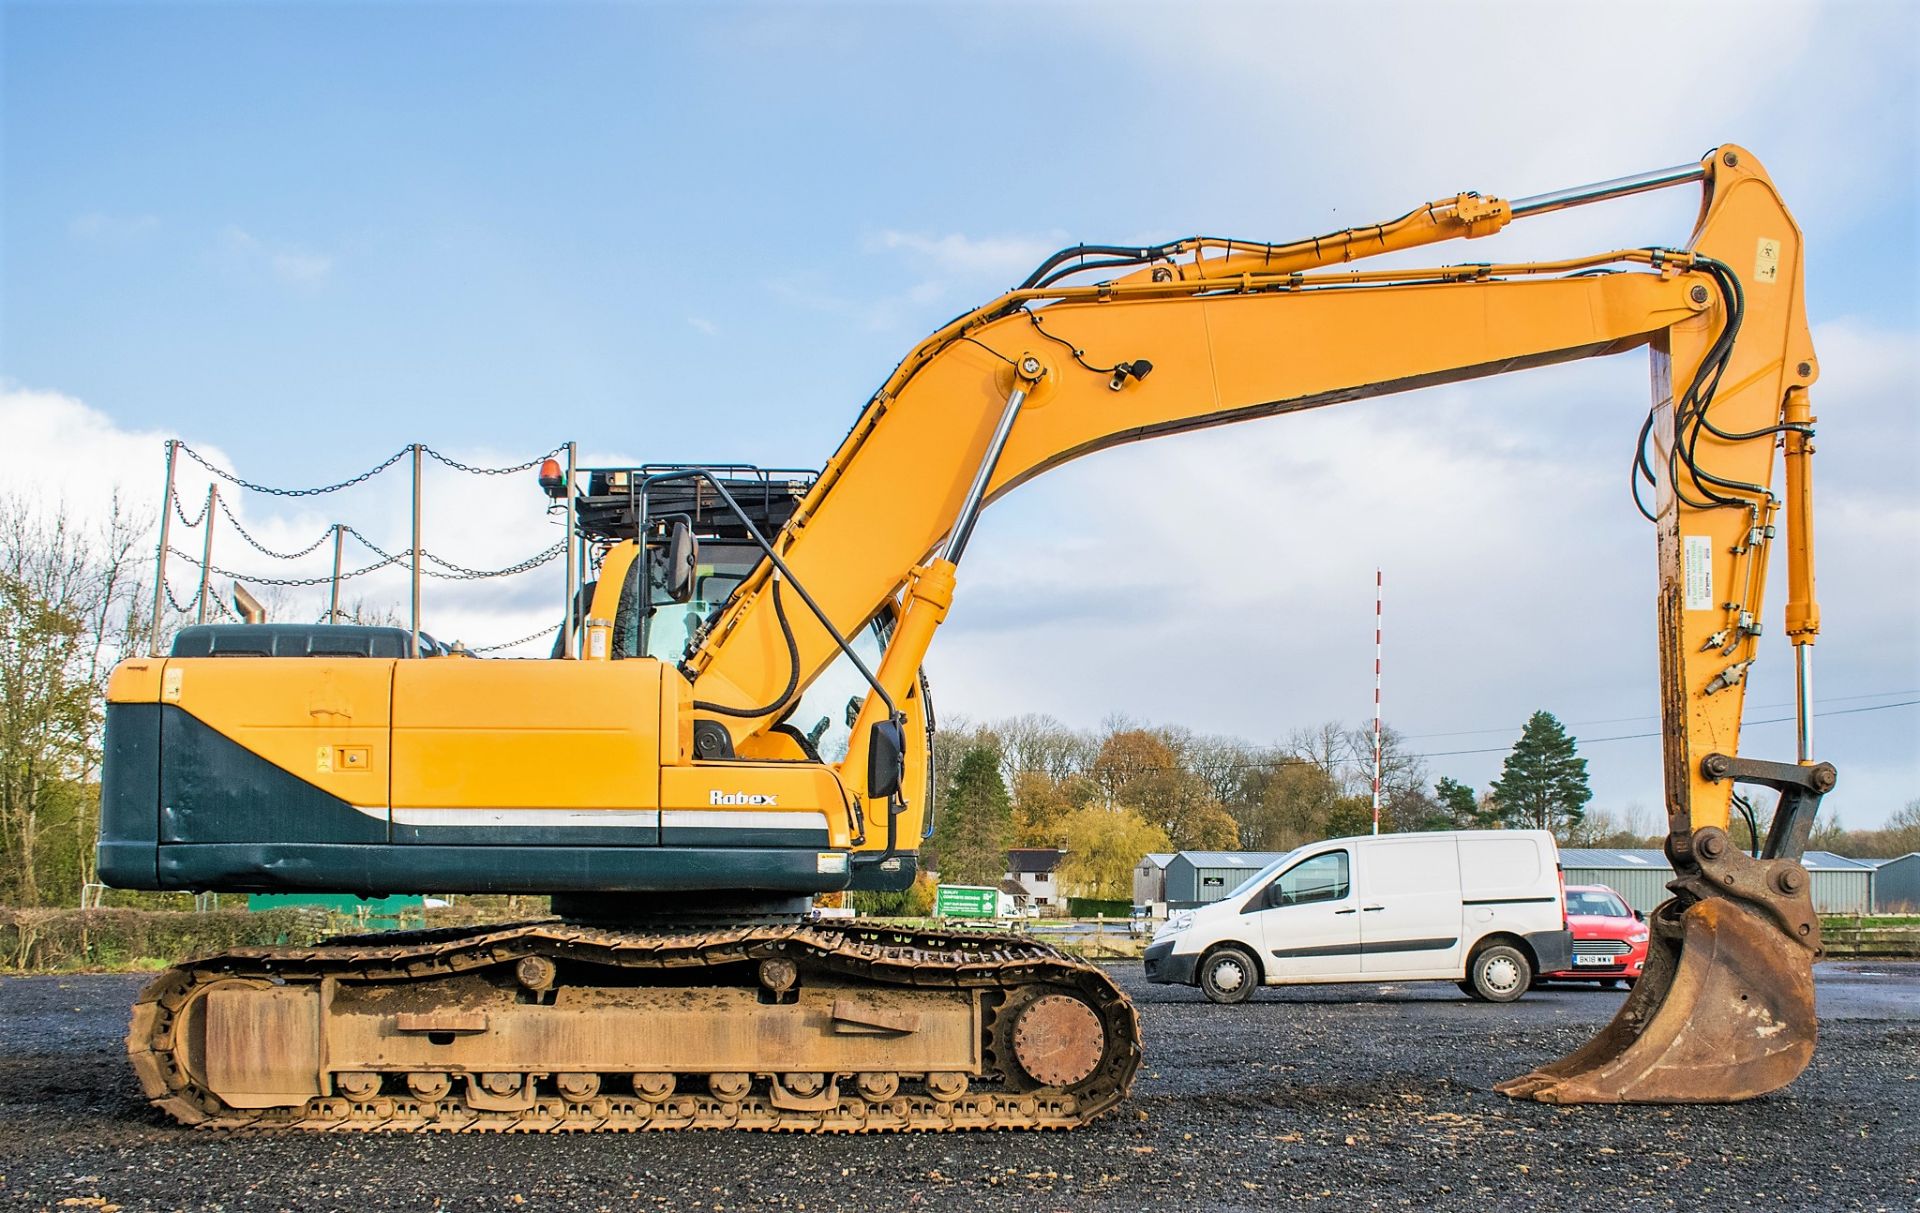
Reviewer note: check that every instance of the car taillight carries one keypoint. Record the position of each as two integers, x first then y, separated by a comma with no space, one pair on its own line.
1564,925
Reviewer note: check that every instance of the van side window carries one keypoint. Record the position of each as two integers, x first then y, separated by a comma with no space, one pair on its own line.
1322,878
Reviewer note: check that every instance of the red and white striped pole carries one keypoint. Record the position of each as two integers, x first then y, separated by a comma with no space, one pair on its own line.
1378,584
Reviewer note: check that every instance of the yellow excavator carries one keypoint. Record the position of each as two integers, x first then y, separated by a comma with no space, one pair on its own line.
735,721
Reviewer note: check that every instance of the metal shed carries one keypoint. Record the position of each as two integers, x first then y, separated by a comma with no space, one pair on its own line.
1150,879
1640,876
1896,884
1198,878
1840,885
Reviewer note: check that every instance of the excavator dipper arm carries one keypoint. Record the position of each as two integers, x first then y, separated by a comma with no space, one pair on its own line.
1206,332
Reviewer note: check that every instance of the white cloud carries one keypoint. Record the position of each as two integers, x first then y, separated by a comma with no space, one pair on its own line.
998,258
1531,101
64,454
290,264
703,326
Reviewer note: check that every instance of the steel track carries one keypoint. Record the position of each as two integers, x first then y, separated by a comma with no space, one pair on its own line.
883,957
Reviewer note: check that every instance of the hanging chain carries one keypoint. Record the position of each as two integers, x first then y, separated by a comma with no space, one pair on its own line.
213,599
494,648
295,582
460,572
181,514
257,546
224,474
534,462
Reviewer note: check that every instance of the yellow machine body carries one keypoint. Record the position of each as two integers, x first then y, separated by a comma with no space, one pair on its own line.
610,772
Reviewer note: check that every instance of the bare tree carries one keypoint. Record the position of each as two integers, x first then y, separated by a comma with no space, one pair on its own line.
68,610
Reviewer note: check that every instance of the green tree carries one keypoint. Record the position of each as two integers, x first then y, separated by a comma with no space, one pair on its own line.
66,611
915,901
1295,801
1351,815
975,822
1543,783
1103,848
1042,804
1459,807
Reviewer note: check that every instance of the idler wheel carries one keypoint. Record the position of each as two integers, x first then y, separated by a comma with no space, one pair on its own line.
502,1083
654,1087
878,1086
578,1087
946,1085
429,1085
1058,1040
357,1084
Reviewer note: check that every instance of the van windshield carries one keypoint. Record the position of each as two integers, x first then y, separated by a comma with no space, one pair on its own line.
1250,883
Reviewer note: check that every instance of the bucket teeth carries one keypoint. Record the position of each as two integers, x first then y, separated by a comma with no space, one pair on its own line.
1723,1012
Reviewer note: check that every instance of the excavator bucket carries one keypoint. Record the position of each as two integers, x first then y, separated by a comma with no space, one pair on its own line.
1724,1009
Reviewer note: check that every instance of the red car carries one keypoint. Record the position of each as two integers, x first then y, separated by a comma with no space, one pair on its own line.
1609,940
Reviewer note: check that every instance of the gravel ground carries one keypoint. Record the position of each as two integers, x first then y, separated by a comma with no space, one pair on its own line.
1360,1097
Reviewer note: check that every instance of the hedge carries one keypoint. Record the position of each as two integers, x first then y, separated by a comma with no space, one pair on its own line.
116,939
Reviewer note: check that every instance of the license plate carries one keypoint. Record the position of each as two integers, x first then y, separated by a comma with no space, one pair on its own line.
1587,958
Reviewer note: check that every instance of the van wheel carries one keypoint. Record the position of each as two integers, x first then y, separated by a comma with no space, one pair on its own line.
1499,973
1228,976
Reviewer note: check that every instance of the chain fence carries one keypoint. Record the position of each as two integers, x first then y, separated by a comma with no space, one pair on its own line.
231,478
248,538
431,564
549,630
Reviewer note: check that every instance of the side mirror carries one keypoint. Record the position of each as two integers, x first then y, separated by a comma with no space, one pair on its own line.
886,759
1639,915
683,560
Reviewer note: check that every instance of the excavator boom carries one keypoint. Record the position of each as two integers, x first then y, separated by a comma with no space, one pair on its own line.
747,720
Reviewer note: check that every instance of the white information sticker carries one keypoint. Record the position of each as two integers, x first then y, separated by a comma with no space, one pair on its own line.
1697,556
1766,263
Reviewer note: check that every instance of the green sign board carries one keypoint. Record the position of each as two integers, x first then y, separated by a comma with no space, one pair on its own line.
965,901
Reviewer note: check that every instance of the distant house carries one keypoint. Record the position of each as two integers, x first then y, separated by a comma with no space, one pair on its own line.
1033,869
1150,880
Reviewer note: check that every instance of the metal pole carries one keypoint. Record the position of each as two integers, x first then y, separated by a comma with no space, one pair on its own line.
976,492
206,553
1601,191
333,597
160,559
1378,594
570,623
416,549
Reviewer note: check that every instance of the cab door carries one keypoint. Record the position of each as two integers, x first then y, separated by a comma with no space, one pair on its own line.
1308,917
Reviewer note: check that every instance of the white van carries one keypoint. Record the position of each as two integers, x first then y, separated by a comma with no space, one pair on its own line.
1484,908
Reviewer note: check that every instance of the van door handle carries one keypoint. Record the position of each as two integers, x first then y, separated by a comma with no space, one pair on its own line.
1371,909
1348,910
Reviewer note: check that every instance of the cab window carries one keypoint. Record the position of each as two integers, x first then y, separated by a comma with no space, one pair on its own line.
1324,877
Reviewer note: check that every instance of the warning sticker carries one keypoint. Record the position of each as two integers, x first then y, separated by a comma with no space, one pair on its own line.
1766,263
1697,557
